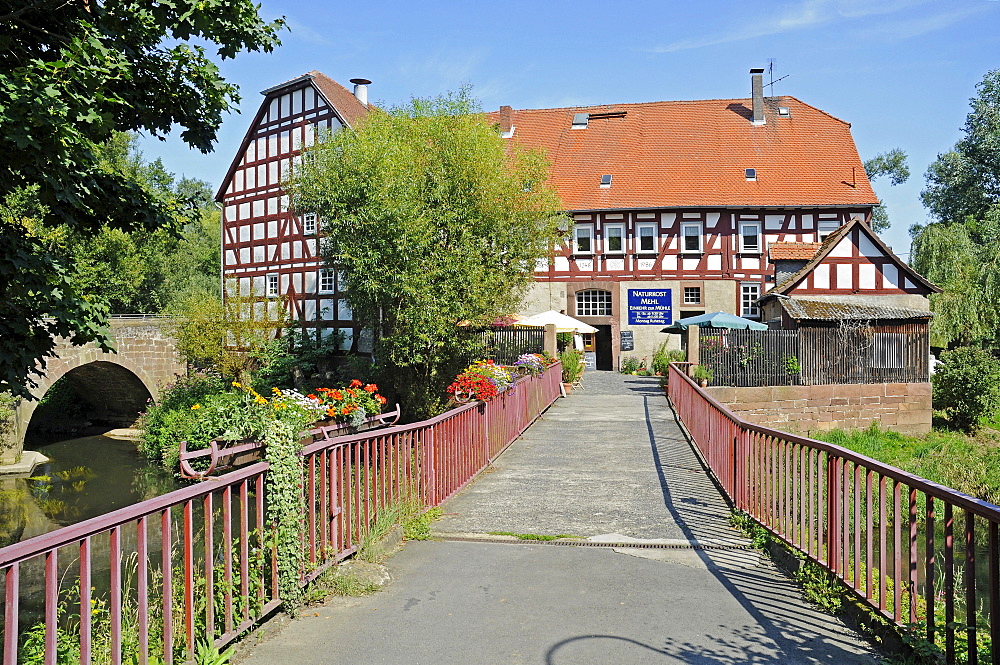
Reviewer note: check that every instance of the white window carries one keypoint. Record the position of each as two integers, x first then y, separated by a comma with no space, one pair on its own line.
692,295
750,237
583,239
748,300
593,302
691,236
614,238
271,288
309,223
826,227
326,280
646,233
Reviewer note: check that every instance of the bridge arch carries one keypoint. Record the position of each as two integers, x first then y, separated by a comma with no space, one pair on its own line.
114,387
112,391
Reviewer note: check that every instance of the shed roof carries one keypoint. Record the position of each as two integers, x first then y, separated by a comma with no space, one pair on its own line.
804,309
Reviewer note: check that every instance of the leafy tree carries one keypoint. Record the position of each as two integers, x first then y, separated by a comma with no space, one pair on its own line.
967,386
71,74
961,250
892,164
434,221
965,181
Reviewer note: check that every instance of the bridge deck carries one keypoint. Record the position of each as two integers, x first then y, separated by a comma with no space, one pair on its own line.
608,460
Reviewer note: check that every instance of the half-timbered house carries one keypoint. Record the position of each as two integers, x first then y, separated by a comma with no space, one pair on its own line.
674,205
270,252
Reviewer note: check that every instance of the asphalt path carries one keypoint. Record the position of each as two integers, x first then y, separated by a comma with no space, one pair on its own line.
608,463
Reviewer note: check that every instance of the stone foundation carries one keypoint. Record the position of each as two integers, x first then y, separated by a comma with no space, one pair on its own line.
902,407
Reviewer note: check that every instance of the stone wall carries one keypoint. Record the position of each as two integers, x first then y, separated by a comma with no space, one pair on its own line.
902,407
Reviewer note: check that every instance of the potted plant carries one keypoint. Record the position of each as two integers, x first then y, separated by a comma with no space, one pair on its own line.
572,368
703,375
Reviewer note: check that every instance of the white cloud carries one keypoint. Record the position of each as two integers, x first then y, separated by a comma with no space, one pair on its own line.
803,15
918,26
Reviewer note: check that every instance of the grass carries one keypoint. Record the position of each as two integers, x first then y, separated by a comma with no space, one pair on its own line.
967,463
531,536
333,583
418,527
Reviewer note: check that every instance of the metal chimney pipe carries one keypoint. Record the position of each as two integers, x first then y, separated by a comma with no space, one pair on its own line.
757,90
361,89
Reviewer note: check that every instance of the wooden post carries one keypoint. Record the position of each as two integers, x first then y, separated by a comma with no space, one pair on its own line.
693,350
550,345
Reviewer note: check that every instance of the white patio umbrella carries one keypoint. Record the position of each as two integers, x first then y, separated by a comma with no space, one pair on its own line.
563,323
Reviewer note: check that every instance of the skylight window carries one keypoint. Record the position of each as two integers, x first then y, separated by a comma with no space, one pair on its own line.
751,174
784,112
606,180
580,120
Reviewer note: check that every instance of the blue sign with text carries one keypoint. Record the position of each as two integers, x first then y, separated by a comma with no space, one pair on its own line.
649,307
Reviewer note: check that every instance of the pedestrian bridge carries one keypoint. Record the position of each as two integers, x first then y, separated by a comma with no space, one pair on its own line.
114,387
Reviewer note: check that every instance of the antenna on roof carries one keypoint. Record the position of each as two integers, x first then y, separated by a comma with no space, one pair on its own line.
770,71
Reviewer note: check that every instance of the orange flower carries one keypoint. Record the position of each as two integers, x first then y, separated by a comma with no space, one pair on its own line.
331,412
381,399
355,383
311,396
372,388
336,395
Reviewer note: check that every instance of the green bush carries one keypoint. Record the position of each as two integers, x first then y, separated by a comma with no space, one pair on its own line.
630,365
967,386
571,366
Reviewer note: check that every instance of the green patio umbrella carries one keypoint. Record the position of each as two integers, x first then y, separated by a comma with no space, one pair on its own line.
714,320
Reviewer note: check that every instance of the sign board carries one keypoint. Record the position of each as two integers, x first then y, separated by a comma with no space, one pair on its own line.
627,341
650,307
589,360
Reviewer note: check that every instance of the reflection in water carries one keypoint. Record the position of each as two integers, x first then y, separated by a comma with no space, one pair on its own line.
86,477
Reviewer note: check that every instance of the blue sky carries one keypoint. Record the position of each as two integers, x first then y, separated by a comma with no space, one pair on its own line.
900,71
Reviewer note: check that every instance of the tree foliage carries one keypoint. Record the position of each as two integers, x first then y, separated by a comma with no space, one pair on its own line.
965,181
967,386
961,250
892,164
434,221
71,74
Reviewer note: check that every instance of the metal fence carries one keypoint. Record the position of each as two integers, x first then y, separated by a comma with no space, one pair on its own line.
504,344
143,583
817,356
914,551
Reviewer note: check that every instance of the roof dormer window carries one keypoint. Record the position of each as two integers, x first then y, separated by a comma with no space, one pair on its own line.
606,181
751,174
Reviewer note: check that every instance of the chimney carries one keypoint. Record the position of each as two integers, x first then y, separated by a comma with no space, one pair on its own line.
505,120
361,89
757,87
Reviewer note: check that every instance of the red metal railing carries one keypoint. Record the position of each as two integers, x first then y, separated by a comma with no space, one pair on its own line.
889,535
149,580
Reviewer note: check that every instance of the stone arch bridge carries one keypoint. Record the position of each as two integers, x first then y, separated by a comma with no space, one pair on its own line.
114,387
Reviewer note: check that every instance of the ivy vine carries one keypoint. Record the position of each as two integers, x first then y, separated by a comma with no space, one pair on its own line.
286,505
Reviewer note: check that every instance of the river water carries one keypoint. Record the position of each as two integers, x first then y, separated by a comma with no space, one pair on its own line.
85,477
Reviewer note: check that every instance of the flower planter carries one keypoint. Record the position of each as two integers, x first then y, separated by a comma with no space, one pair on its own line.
567,388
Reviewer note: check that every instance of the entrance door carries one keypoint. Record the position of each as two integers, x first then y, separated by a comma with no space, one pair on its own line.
602,340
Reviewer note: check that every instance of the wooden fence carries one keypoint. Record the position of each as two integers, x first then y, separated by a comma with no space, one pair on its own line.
817,356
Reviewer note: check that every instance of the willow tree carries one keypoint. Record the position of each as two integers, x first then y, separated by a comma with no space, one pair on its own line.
434,220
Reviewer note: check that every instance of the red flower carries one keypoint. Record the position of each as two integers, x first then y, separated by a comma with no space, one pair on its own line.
372,388
335,395
311,396
381,399
355,384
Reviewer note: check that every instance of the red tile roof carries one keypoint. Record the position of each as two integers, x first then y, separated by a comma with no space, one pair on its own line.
793,251
347,106
665,154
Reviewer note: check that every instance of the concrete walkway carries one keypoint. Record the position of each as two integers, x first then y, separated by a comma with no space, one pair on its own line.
608,463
